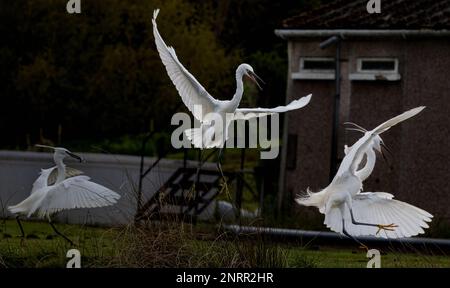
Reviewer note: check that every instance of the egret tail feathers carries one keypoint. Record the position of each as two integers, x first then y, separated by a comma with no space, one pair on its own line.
204,137
315,199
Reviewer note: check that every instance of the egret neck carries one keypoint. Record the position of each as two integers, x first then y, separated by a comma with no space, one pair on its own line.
239,88
61,168
365,172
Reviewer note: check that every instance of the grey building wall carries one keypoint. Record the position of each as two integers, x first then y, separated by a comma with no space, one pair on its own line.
418,171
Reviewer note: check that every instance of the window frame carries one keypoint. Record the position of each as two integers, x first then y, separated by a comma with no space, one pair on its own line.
314,74
375,59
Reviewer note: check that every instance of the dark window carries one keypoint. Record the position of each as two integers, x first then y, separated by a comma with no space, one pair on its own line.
316,64
382,65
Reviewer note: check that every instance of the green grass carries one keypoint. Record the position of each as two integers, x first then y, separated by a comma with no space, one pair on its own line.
355,258
43,248
198,246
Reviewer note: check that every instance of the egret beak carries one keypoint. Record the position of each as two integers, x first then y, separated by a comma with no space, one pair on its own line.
74,156
255,78
382,153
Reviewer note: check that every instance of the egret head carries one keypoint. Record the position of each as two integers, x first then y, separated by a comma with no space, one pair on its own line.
247,70
379,146
377,142
61,153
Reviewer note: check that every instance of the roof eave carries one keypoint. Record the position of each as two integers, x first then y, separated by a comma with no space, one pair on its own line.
347,33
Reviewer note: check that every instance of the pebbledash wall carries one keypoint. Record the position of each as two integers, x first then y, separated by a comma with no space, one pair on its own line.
418,171
18,171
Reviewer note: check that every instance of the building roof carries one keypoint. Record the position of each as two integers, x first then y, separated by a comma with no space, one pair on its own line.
395,14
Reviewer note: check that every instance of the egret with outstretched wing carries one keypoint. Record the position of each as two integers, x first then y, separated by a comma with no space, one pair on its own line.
353,213
194,94
62,188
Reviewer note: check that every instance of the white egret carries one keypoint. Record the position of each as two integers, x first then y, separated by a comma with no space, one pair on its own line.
62,188
193,93
376,145
342,201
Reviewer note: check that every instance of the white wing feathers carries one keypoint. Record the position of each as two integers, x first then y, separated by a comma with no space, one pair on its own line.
191,91
76,192
356,152
379,207
247,113
48,177
397,119
41,181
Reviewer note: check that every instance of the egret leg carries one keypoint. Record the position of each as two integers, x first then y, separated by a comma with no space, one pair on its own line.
388,227
219,166
352,237
200,163
20,226
60,234
219,162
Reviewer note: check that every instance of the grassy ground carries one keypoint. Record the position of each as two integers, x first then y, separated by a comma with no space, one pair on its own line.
102,247
353,258
43,248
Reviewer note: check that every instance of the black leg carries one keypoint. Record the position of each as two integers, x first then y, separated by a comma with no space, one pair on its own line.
200,163
387,227
60,234
20,226
352,237
360,223
219,162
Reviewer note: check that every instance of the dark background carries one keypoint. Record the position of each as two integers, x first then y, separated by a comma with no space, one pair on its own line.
93,81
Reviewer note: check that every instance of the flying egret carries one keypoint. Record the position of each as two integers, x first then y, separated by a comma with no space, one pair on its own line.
62,188
353,213
193,93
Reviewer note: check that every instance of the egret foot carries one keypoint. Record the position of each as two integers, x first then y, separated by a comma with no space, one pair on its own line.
388,227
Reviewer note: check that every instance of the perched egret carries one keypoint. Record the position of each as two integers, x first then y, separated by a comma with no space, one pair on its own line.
62,188
353,213
192,93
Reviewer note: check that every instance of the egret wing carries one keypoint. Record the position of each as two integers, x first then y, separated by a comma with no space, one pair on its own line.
380,208
397,119
356,152
42,180
191,91
70,172
248,113
76,192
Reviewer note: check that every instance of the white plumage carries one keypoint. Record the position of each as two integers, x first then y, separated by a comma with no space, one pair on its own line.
69,191
193,93
373,212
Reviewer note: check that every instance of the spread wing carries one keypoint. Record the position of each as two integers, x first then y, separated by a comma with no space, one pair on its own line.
248,113
191,91
76,192
380,208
